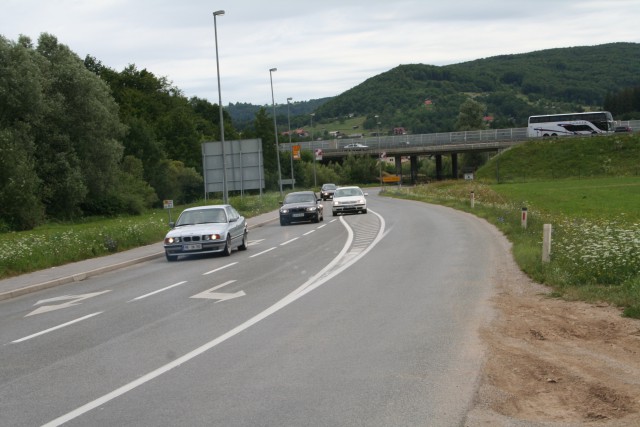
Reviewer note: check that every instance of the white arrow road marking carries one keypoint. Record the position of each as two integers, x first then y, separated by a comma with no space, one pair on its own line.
71,301
46,331
210,294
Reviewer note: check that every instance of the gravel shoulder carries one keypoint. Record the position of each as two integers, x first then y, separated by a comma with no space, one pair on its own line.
551,362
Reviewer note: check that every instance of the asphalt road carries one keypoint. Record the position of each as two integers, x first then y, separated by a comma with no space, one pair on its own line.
358,320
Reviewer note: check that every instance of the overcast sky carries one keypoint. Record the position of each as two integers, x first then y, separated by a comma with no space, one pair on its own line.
320,48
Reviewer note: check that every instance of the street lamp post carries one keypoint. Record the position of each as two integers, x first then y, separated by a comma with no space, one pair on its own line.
293,185
275,128
315,183
378,125
225,196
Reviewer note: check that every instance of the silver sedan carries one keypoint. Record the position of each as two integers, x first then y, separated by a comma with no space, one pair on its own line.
206,229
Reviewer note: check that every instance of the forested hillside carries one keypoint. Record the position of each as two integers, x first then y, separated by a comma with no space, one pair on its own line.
426,98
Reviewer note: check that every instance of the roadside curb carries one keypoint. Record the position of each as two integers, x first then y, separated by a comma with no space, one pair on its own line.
80,276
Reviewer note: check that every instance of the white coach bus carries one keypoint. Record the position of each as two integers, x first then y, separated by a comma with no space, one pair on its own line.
571,124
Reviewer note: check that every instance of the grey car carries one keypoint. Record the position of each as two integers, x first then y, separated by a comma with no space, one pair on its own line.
301,206
327,190
206,229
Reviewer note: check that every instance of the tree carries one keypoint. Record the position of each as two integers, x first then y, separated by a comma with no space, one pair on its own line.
470,116
20,206
21,103
263,127
78,136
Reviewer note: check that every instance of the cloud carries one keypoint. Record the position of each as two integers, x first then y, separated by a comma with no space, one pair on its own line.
320,49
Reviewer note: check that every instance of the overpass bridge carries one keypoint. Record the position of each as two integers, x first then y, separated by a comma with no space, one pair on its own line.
431,144
415,146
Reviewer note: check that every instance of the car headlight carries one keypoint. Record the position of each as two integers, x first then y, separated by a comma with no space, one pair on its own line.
211,237
311,209
171,240
284,211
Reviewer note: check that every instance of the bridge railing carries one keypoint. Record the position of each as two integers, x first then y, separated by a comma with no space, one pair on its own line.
391,141
428,139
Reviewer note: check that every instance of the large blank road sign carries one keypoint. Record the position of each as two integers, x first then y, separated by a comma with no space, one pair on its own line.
243,161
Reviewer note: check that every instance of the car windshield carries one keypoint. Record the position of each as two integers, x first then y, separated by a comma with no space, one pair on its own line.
300,198
328,187
202,216
347,192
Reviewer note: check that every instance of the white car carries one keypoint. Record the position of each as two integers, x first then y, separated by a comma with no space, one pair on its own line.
356,146
349,200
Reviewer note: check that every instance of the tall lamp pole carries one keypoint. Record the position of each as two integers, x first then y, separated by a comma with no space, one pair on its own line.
293,185
275,128
315,183
225,196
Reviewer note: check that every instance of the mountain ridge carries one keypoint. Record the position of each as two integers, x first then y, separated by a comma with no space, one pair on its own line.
426,98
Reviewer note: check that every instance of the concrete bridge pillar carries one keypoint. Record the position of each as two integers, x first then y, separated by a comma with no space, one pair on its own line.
454,165
439,167
413,160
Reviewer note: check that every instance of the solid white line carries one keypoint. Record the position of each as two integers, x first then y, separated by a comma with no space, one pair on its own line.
263,252
289,241
158,291
57,327
314,282
218,269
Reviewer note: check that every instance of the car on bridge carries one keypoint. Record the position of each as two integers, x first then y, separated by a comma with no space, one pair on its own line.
355,146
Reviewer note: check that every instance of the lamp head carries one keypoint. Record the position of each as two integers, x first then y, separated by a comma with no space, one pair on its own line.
218,13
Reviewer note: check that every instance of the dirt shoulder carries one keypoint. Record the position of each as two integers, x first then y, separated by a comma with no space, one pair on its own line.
555,363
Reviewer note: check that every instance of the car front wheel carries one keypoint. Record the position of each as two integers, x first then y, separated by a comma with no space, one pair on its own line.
227,246
170,258
243,245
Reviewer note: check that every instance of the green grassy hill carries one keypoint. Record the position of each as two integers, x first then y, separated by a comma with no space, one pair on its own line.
549,159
